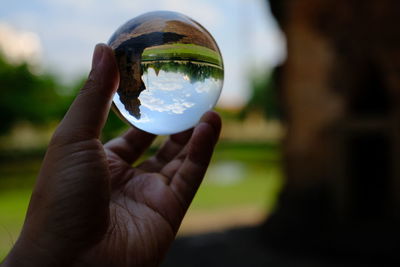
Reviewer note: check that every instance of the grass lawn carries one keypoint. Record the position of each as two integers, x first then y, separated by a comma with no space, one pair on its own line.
250,185
184,52
13,205
16,181
240,175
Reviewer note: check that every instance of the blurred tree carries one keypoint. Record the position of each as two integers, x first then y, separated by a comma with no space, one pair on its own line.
264,96
25,96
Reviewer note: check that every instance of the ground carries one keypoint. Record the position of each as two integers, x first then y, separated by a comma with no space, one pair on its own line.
240,189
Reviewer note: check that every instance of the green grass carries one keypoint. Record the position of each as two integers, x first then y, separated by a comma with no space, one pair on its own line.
13,205
17,178
240,174
183,52
257,186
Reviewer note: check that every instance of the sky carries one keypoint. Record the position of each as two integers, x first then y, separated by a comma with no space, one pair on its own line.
171,103
60,35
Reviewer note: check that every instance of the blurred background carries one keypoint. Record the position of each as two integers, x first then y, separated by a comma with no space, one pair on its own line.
45,55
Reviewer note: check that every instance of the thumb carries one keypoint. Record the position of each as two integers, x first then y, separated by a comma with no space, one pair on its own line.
87,114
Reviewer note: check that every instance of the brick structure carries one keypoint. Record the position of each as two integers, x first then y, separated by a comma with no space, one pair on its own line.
340,87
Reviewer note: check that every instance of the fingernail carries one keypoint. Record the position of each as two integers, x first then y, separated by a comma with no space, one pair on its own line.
212,118
206,116
97,55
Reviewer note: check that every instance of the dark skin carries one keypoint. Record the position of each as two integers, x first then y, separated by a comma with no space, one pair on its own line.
90,207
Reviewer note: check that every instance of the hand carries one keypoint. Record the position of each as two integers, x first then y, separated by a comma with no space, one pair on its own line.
90,207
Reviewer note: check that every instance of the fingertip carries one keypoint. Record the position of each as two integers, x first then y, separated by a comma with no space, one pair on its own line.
109,54
209,115
213,119
104,75
202,143
87,114
204,138
182,137
97,55
109,67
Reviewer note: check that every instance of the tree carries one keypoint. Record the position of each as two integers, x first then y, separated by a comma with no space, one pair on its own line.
25,96
264,96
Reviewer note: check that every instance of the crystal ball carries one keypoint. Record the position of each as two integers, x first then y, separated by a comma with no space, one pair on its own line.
171,72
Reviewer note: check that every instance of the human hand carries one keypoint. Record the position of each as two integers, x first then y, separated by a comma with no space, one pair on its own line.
90,207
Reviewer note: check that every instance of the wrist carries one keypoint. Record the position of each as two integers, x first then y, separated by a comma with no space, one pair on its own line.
27,253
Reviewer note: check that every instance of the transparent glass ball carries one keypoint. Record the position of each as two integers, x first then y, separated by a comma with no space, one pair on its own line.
171,72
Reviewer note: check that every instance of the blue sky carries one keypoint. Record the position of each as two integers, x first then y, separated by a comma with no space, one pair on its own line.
69,29
171,102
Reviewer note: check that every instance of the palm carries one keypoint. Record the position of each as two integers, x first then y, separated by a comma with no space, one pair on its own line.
75,219
136,228
147,202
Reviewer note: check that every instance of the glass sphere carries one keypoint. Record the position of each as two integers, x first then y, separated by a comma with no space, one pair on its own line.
171,72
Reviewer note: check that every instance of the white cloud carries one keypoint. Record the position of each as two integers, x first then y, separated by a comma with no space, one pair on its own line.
205,87
149,100
19,46
178,106
69,29
166,85
163,81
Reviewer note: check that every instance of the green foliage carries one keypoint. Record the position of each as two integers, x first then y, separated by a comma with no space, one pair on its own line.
25,96
197,72
264,96
189,52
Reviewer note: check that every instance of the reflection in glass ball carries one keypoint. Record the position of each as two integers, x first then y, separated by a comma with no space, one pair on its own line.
171,72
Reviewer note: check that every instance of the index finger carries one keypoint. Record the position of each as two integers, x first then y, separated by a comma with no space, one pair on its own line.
189,175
